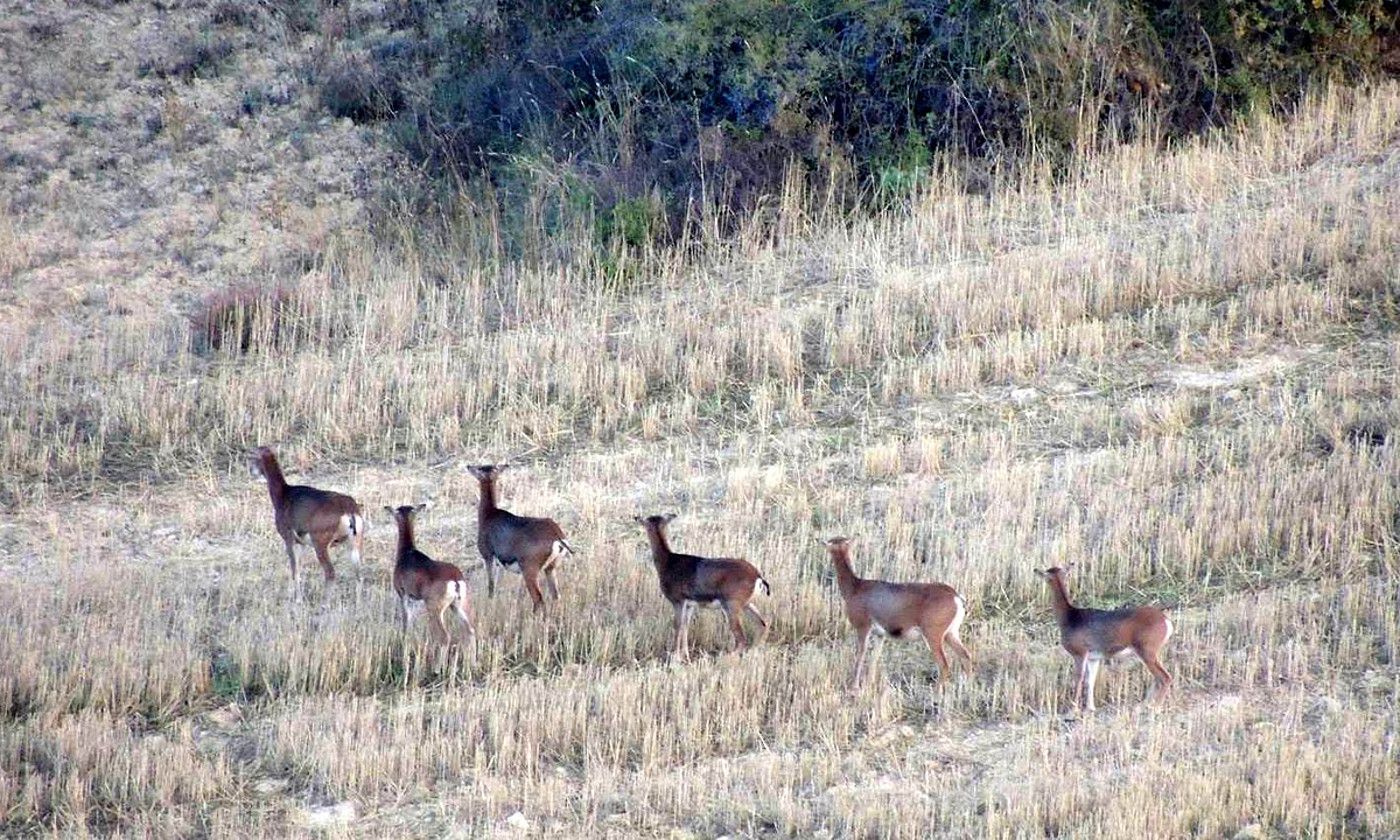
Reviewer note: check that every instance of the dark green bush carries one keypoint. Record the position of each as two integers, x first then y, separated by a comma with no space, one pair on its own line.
645,98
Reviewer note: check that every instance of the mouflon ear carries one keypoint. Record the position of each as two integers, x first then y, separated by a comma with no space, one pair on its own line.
388,510
422,507
666,519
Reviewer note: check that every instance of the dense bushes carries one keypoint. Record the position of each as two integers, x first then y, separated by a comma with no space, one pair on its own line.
640,98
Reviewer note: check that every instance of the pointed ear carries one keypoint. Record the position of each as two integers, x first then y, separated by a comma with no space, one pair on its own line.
1068,566
667,518
639,520
422,507
1041,573
388,510
500,468
475,471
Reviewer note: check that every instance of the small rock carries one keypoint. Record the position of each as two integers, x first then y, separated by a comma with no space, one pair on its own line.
1253,831
325,816
1024,396
267,787
518,821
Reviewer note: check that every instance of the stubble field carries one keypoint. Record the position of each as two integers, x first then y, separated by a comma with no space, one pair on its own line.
1175,368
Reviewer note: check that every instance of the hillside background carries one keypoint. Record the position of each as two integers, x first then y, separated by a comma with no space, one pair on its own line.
988,286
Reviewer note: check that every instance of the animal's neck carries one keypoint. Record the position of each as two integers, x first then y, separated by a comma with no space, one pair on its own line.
276,483
1059,597
846,579
660,551
488,496
405,538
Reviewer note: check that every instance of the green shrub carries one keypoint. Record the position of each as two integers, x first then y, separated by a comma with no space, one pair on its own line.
722,96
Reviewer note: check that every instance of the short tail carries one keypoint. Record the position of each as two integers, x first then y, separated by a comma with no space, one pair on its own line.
767,590
568,549
457,590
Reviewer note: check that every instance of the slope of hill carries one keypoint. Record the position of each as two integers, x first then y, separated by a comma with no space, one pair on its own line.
153,154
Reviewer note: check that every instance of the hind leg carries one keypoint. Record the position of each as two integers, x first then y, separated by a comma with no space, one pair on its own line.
934,637
551,583
437,613
357,543
323,556
741,639
464,612
956,644
762,622
1164,678
531,573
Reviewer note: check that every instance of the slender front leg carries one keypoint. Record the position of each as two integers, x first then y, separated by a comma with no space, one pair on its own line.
677,649
403,613
1092,677
493,571
291,555
1081,667
863,640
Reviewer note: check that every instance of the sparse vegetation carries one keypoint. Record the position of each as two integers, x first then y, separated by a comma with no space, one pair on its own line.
1174,365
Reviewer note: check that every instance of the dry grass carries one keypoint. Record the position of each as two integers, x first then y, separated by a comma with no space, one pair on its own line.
1152,367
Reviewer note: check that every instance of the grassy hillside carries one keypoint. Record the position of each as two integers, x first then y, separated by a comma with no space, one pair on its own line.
1173,367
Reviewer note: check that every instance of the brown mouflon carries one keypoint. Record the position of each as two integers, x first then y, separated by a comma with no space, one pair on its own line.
419,578
689,581
309,516
1095,636
899,610
529,545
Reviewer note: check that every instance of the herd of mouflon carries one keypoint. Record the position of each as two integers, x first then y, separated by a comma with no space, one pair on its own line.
534,546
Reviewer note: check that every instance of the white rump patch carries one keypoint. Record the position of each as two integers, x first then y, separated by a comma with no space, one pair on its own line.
957,616
557,552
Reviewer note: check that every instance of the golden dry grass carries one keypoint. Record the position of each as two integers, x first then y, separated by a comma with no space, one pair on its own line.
1155,366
